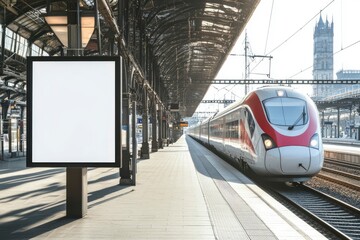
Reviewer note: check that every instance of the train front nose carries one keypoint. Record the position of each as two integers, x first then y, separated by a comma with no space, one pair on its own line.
293,160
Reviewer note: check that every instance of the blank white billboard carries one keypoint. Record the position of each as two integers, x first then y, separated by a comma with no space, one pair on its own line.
74,117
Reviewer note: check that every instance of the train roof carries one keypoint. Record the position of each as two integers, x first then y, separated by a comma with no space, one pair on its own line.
229,108
291,92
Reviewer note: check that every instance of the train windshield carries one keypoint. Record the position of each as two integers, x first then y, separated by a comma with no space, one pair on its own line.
286,111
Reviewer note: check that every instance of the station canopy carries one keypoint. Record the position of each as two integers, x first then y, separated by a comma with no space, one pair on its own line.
187,40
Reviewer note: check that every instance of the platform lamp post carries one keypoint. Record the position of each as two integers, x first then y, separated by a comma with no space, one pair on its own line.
74,29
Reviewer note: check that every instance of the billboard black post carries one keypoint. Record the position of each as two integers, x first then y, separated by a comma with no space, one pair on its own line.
74,119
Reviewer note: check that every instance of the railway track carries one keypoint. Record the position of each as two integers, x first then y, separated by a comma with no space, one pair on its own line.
341,177
341,173
338,181
337,217
343,164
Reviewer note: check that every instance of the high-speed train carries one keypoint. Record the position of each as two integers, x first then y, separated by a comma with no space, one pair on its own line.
274,131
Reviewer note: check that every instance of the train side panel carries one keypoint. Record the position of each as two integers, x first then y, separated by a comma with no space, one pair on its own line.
275,131
231,138
216,138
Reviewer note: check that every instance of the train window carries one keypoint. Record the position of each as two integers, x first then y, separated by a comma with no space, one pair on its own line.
286,111
216,130
232,129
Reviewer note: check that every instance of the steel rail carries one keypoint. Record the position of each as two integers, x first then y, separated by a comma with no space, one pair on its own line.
338,181
337,217
341,173
343,164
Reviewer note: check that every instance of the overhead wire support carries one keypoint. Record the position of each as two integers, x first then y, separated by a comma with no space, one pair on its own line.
275,81
217,101
264,56
252,56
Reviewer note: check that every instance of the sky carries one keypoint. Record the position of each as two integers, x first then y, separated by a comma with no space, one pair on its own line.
284,30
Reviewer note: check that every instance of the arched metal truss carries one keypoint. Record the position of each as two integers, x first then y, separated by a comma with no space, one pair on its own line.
171,44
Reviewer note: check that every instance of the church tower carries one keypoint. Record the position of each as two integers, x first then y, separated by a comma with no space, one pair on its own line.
323,67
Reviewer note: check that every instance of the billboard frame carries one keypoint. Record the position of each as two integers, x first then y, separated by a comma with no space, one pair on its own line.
35,106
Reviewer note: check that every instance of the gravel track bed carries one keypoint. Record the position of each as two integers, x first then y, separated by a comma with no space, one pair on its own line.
345,194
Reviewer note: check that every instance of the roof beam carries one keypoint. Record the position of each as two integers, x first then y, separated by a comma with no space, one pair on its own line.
108,15
7,6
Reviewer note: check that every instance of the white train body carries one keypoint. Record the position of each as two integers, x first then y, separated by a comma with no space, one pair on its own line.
274,130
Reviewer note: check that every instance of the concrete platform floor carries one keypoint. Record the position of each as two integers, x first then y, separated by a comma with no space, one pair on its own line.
178,196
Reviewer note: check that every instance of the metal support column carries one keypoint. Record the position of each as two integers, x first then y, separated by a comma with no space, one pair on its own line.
134,142
145,127
29,49
123,18
2,139
350,122
322,123
98,28
22,132
154,143
126,158
166,129
2,58
5,104
171,132
160,122
338,122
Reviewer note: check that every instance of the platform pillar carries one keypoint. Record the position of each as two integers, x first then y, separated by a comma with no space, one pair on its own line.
322,123
2,139
160,127
125,178
145,127
350,122
338,122
167,129
154,143
134,143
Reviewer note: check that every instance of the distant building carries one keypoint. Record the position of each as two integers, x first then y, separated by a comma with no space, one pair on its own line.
323,67
348,75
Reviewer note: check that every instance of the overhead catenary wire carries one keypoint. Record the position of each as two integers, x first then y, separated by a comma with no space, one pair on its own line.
301,28
339,51
268,31
342,48
292,35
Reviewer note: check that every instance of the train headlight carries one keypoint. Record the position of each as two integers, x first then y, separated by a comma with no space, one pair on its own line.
314,141
281,93
268,142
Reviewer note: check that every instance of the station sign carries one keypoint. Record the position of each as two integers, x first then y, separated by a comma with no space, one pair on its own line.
183,124
174,107
73,115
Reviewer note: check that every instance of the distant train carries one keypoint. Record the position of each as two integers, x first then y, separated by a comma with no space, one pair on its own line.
274,131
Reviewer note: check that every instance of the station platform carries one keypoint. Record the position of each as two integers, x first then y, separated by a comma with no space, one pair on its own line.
183,191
